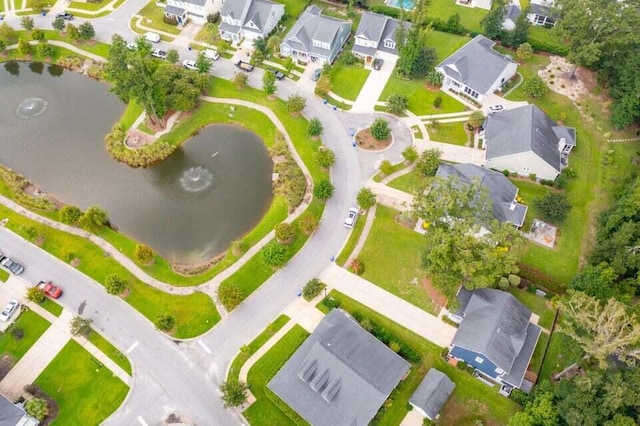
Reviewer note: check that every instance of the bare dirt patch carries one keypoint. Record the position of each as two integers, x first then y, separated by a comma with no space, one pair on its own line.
434,293
367,142
557,75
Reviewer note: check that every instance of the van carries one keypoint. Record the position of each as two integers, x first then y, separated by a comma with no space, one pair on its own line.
152,37
211,54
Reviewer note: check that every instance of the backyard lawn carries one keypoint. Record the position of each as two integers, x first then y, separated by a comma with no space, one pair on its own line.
530,191
563,351
264,412
391,257
86,394
347,80
153,18
445,43
33,326
472,402
420,98
470,17
540,306
452,133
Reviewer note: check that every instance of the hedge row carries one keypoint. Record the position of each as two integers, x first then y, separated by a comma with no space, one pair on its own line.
17,184
136,157
540,279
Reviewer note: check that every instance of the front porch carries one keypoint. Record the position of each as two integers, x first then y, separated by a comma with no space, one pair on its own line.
176,13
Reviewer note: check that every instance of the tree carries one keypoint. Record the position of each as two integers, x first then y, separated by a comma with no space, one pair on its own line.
274,42
323,190
520,34
315,127
173,56
539,411
323,86
366,198
240,79
476,119
434,78
325,157
428,162
115,284
37,35
87,32
296,103
165,322
312,288
37,407
285,232
43,49
203,63
534,87
289,65
553,207
308,223
492,21
410,154
598,281
386,168
415,60
24,48
260,44
72,32
230,295
234,393
524,52
274,254
397,103
58,24
94,219
144,254
80,326
8,33
380,129
26,22
269,83
116,68
35,294
601,329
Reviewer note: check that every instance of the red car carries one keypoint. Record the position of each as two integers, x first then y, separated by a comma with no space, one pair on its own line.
50,289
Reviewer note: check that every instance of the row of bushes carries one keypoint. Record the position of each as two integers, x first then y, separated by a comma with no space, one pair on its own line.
548,46
139,157
17,184
284,408
291,183
547,282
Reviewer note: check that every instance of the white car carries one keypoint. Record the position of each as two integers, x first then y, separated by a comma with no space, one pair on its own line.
132,46
352,216
159,53
190,65
496,108
211,54
9,310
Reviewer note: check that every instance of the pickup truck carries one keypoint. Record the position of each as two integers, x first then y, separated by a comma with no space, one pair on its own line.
244,66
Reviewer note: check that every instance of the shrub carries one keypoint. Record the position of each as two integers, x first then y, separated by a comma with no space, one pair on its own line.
296,103
533,176
308,223
357,266
86,30
37,407
397,103
349,58
553,207
395,346
240,79
37,34
165,322
503,283
94,219
238,247
173,56
410,154
230,295
429,162
380,129
386,167
323,86
144,254
115,284
17,333
325,157
234,393
274,254
323,190
312,288
315,127
29,232
35,294
213,18
139,157
58,24
534,87
24,48
27,22
366,198
285,232
434,78
170,20
524,52
330,303
80,326
514,280
519,396
386,10
437,102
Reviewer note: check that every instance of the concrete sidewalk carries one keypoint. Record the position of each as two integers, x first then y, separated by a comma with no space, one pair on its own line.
389,305
390,197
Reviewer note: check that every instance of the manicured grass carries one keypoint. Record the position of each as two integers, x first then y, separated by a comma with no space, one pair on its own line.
529,192
109,350
33,326
248,350
420,98
57,53
95,47
354,237
153,18
293,8
536,359
452,133
341,105
395,168
563,351
347,80
143,31
4,275
88,6
538,305
92,15
52,307
471,403
411,182
264,411
85,393
445,43
391,257
131,114
47,4
470,17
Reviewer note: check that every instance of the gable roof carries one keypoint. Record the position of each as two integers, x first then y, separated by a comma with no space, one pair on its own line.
526,129
495,325
432,393
256,11
476,64
341,374
500,189
10,414
512,12
378,28
542,10
196,2
313,25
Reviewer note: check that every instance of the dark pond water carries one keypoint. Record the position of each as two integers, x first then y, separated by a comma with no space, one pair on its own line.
189,207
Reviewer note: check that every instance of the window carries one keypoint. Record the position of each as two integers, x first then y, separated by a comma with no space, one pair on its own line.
499,370
479,360
471,92
316,43
326,46
526,169
390,44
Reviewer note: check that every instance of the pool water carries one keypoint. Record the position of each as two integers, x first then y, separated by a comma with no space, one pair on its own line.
405,4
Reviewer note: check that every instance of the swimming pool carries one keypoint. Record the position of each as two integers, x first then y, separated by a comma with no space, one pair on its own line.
405,4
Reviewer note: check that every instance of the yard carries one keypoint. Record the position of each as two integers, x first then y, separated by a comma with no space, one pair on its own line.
530,191
86,394
472,402
563,351
347,80
391,257
264,411
411,182
420,97
109,350
153,18
540,306
452,133
32,325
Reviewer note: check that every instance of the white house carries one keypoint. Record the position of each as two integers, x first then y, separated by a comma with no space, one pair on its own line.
195,10
511,14
526,141
432,393
482,4
250,19
541,13
376,37
476,70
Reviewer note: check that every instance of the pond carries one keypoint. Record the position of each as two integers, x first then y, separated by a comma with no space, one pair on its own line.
190,207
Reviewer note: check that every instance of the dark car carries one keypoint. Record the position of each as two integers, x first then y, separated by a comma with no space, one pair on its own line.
65,15
13,267
377,63
316,75
277,73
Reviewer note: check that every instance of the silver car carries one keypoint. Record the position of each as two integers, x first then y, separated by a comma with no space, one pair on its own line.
352,216
9,310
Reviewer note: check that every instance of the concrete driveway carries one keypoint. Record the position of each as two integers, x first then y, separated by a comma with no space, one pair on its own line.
373,87
13,288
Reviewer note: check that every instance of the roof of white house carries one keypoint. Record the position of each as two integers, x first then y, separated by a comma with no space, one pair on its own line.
256,11
378,28
313,25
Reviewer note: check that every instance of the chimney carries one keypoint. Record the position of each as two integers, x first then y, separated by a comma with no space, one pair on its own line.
512,207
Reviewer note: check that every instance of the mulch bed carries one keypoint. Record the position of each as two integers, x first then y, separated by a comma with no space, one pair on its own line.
137,138
434,293
367,142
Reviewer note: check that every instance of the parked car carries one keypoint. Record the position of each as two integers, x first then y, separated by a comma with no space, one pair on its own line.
190,65
211,54
377,63
13,267
50,289
316,75
132,46
244,66
279,75
9,310
64,15
152,37
352,216
496,108
159,53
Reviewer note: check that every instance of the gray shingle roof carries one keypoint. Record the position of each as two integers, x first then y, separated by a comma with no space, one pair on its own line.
312,25
512,12
378,28
257,11
542,10
10,415
526,129
341,374
495,324
500,189
519,368
196,2
432,393
174,10
476,64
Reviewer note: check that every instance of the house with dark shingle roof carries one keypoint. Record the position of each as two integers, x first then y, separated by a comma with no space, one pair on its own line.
14,415
432,393
495,336
541,13
195,10
315,37
376,37
511,14
250,19
500,190
526,141
340,375
476,70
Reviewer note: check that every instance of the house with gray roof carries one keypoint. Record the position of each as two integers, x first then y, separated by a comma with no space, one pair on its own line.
482,4
250,19
14,415
432,393
500,190
526,141
511,14
495,336
315,37
195,10
476,70
340,375
376,37
541,13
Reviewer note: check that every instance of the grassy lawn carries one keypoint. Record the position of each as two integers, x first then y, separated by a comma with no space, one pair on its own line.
95,47
86,395
563,351
471,403
420,98
452,133
88,6
347,80
141,31
538,305
130,114
530,191
251,348
4,275
391,257
394,168
411,182
52,307
354,237
469,17
153,18
264,411
109,350
445,43
536,358
33,326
